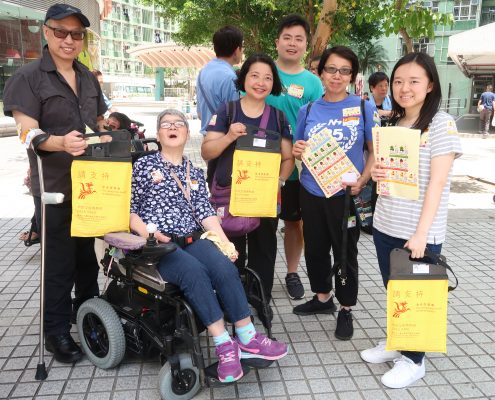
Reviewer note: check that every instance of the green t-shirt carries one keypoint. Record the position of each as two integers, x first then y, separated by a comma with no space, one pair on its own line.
298,90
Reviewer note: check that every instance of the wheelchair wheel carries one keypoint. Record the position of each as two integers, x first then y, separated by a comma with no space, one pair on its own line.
101,333
184,388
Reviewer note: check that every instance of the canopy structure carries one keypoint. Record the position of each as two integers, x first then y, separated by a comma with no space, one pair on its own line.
172,55
474,51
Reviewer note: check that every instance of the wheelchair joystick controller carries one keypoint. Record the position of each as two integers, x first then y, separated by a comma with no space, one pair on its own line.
151,241
153,251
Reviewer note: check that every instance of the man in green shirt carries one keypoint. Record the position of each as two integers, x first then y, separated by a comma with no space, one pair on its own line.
299,88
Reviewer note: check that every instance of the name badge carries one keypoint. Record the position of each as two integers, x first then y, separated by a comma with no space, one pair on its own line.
421,269
194,185
296,91
257,142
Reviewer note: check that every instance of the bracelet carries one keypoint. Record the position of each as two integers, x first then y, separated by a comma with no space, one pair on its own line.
281,182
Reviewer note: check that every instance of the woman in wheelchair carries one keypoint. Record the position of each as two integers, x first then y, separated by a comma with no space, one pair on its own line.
168,191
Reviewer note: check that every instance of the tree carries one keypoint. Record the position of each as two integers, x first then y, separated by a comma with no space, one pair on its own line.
371,57
330,20
410,19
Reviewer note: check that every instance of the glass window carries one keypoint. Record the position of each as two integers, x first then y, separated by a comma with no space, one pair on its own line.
422,45
487,15
465,9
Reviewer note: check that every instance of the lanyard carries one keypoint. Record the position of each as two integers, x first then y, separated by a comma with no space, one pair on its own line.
187,190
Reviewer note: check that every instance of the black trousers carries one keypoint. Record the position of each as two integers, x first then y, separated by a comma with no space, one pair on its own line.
322,229
69,261
261,252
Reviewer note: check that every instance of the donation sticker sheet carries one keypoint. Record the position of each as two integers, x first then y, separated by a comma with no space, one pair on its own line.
397,149
327,162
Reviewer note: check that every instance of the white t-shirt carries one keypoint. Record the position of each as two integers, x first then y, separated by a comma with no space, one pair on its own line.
399,217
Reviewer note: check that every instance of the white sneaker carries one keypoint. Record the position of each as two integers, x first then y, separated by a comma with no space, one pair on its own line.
404,372
378,354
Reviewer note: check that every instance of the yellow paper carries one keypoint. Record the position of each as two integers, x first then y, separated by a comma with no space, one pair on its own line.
417,315
398,150
254,184
101,197
327,162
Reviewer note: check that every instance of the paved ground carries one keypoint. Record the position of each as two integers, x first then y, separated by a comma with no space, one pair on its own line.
318,366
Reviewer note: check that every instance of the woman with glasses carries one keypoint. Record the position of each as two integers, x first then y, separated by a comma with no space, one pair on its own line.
342,114
168,191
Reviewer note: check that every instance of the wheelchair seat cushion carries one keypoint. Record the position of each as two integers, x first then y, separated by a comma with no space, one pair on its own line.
124,240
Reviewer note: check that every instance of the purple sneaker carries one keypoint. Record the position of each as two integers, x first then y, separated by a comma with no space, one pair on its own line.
229,362
261,346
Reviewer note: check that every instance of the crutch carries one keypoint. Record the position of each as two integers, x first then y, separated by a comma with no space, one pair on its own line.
46,198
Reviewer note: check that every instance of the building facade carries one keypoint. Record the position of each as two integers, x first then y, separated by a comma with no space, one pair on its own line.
128,25
460,94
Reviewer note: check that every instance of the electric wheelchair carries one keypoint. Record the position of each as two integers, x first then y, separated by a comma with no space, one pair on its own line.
140,313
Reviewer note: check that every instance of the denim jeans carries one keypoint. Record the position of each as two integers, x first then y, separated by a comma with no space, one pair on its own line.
384,245
202,272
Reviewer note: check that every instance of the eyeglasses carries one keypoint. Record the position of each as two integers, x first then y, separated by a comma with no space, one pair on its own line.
342,71
168,125
62,33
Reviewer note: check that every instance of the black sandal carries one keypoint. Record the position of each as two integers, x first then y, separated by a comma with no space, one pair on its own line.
29,241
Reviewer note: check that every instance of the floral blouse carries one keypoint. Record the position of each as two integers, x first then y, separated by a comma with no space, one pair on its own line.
157,198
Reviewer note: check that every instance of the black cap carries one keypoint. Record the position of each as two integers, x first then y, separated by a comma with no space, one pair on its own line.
61,11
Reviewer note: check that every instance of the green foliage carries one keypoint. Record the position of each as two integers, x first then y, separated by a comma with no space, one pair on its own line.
400,16
372,57
355,21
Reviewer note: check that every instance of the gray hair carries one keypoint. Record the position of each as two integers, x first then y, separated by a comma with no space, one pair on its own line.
170,111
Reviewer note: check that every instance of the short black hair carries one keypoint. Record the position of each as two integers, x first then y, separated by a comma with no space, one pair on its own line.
344,52
262,58
124,120
226,40
315,58
293,20
433,98
377,77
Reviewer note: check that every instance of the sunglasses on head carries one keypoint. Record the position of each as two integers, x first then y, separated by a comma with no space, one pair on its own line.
62,33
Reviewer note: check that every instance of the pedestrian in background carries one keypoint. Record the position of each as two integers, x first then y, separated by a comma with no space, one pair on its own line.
415,224
485,105
215,84
53,100
379,82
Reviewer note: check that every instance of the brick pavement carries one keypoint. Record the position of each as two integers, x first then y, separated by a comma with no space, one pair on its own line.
318,366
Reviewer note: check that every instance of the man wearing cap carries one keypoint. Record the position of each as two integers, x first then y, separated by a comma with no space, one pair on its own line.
54,100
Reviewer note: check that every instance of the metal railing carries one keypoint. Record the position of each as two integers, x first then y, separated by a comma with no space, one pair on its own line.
453,105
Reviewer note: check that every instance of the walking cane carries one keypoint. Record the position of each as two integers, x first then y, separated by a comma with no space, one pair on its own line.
46,198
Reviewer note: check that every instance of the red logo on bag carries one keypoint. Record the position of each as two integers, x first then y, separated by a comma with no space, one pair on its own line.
400,309
86,191
243,175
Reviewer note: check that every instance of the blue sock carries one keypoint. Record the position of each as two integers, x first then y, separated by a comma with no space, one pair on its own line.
223,338
245,333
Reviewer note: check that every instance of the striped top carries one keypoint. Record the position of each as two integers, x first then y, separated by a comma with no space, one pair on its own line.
399,217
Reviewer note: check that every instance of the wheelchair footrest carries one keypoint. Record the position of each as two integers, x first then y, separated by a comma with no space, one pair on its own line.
212,376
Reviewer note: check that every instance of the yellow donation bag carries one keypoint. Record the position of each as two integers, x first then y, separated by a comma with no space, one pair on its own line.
255,174
417,293
101,189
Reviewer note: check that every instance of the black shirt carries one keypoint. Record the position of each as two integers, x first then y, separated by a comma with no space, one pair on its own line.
41,92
